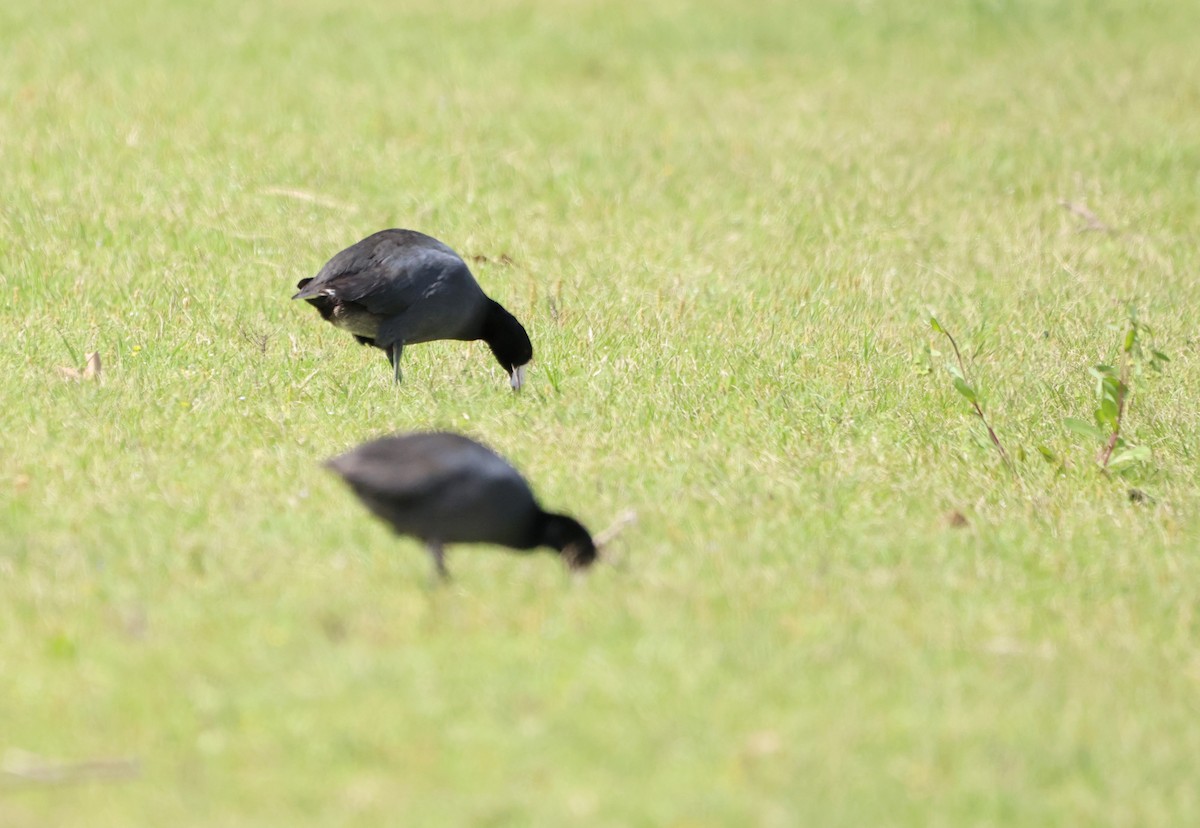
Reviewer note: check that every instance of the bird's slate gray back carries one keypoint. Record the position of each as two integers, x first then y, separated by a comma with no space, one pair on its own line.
393,270
444,487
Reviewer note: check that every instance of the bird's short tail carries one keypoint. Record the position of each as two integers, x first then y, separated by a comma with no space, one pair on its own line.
303,294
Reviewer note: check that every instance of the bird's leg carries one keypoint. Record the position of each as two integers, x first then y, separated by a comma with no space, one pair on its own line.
394,351
438,553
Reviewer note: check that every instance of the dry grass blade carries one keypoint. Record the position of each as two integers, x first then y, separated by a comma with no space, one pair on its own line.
311,198
91,369
607,536
1093,221
26,768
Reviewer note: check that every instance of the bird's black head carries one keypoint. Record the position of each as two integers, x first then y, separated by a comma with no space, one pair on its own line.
570,538
508,341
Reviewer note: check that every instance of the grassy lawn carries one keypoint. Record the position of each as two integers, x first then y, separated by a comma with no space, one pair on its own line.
725,226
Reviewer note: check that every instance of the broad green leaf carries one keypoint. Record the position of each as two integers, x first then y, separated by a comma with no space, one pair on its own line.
966,390
1130,339
1128,456
1108,411
937,326
1084,428
1049,456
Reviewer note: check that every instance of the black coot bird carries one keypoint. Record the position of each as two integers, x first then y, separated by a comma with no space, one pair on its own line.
401,287
445,488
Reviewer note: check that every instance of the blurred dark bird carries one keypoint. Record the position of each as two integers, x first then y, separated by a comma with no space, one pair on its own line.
445,488
401,287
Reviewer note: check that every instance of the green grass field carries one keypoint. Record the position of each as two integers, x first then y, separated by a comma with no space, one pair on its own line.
725,226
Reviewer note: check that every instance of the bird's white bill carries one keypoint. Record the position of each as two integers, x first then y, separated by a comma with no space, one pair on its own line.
517,378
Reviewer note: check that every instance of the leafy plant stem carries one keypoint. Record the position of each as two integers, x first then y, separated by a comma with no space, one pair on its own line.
975,403
1122,386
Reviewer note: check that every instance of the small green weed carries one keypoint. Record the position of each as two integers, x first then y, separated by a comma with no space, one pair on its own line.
1112,397
958,373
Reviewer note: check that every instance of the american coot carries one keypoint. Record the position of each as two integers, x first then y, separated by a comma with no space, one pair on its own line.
445,488
400,287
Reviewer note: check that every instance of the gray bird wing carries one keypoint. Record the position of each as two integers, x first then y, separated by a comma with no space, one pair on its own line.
387,279
392,271
424,466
